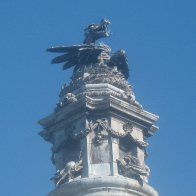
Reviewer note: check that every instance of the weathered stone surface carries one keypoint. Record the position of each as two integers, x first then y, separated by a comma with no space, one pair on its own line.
98,129
104,186
102,131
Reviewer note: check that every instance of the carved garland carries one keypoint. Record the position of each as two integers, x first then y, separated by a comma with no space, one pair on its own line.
128,128
100,125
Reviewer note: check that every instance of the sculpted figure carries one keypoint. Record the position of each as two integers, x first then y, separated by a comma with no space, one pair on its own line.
130,166
68,98
90,53
70,171
96,31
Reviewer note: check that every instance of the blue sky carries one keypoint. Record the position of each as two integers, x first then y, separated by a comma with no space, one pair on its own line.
159,38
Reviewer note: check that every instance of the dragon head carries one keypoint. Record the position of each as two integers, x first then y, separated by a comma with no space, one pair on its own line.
96,31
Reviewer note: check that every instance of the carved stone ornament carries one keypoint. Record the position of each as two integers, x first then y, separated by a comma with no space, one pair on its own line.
96,31
93,63
66,99
94,74
96,126
100,128
130,166
128,128
97,75
69,172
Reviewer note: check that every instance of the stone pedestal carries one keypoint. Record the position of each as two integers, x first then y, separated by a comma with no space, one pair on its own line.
99,142
104,186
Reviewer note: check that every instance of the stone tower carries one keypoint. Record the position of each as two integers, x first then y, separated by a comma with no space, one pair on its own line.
98,130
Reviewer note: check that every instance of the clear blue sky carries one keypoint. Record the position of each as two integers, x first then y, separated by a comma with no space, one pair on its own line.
160,40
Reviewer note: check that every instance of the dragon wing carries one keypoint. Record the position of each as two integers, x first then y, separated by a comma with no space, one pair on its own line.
77,54
119,59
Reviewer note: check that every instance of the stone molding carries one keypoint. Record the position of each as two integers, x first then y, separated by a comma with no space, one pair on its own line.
107,101
104,186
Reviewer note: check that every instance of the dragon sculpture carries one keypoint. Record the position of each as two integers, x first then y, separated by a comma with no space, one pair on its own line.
90,53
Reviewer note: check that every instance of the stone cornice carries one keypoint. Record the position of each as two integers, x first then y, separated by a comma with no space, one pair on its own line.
106,103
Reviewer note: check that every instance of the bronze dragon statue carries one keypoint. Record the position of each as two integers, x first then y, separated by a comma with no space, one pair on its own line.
90,53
